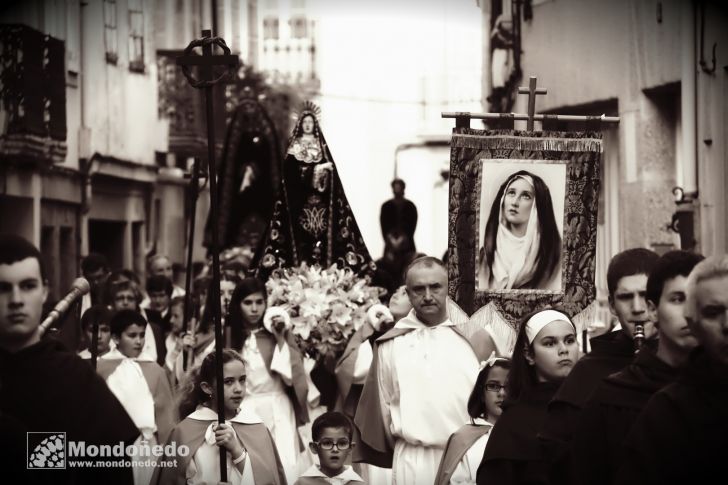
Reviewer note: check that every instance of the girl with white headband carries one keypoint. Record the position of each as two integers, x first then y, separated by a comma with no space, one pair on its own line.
464,450
521,246
545,352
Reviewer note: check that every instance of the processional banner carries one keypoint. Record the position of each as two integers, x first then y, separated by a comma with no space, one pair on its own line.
523,225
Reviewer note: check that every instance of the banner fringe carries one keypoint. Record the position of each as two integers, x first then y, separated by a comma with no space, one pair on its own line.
504,335
504,142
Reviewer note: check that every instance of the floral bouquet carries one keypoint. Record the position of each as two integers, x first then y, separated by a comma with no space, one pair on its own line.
326,306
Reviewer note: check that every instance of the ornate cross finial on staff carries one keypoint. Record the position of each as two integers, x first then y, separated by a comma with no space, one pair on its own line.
532,91
206,63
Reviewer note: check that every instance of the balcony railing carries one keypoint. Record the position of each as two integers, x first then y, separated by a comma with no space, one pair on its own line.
181,104
32,95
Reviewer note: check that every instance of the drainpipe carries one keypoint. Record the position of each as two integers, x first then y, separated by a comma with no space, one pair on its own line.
84,161
686,219
688,102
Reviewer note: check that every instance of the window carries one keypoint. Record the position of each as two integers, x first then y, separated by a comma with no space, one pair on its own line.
270,28
299,27
136,36
110,34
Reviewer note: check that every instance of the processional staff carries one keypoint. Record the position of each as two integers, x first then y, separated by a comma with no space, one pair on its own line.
206,63
192,194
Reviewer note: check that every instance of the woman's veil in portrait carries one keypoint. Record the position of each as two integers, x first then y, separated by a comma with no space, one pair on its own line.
513,258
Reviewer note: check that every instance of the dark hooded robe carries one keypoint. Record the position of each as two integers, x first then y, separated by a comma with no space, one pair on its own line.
681,436
399,216
607,417
610,353
44,388
513,454
312,221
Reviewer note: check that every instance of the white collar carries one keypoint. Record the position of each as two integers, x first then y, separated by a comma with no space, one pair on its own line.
348,474
244,416
411,321
115,354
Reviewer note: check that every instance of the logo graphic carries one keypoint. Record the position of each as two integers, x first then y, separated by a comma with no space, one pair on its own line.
46,451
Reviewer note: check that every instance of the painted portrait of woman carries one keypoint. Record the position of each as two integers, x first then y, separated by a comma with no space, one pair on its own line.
521,246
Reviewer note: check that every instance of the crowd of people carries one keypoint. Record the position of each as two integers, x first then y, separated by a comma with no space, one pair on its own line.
421,399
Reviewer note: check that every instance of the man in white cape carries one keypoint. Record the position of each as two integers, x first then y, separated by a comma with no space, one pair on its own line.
422,373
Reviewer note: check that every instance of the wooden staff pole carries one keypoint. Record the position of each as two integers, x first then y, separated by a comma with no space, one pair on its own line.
206,62
192,207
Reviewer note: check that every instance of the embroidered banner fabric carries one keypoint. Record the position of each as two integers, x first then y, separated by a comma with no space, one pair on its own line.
523,224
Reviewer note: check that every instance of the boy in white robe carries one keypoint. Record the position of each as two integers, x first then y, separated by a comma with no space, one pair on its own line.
140,385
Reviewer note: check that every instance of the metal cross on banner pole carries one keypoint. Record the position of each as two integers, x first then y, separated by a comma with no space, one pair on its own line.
206,63
532,91
462,119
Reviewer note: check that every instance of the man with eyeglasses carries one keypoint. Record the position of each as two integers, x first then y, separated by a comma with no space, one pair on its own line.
422,373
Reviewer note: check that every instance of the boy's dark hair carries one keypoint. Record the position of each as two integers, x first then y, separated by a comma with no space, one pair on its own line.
94,262
476,403
628,263
124,319
130,275
156,284
14,249
97,313
670,265
331,419
398,182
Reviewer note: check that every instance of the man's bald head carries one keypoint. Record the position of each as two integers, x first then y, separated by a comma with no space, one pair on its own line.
161,265
426,280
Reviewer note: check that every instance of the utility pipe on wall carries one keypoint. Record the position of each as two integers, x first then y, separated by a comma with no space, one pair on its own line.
688,101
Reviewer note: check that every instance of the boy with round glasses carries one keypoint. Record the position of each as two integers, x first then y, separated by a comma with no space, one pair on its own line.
332,443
